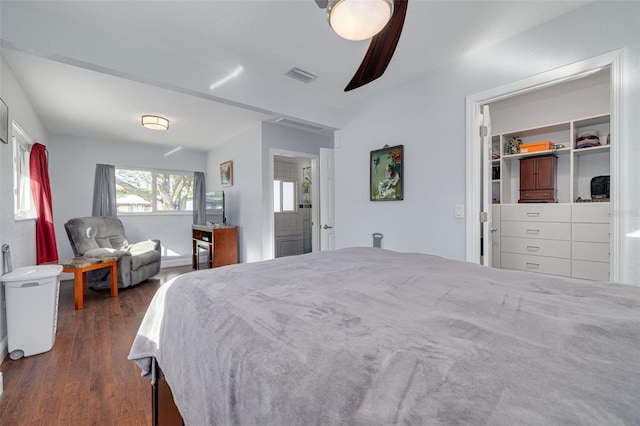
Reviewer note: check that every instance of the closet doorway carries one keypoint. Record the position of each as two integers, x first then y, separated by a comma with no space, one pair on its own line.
481,181
294,204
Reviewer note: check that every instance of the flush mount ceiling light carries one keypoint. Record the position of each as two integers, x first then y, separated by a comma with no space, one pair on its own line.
359,19
154,122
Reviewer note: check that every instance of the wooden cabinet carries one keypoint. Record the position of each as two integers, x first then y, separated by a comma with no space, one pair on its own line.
220,243
538,179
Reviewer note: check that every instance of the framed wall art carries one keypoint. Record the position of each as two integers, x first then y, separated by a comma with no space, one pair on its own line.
386,176
226,174
4,122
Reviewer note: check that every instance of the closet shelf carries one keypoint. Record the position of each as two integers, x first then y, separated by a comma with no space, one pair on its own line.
532,154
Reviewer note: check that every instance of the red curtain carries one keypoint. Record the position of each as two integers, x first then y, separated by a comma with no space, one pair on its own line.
46,248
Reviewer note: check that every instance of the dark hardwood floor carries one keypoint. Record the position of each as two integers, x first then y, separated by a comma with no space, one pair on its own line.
86,378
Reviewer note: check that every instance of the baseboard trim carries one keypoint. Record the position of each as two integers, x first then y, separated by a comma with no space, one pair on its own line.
175,262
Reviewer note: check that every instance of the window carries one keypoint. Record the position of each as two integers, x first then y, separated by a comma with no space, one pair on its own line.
288,196
153,191
24,207
284,196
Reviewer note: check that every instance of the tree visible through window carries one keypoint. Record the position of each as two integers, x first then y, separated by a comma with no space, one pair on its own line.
147,191
174,192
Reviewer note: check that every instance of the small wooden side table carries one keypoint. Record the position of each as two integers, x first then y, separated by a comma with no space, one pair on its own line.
220,241
79,266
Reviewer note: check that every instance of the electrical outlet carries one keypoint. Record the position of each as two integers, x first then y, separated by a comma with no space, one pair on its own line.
459,214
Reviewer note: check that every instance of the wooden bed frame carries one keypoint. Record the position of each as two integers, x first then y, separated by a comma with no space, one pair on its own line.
164,410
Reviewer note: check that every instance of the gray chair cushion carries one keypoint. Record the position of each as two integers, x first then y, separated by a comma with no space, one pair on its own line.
86,233
144,258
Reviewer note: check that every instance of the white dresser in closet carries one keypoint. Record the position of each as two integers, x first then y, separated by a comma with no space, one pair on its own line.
536,238
590,246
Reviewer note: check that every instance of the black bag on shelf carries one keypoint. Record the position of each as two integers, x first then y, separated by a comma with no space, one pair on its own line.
600,187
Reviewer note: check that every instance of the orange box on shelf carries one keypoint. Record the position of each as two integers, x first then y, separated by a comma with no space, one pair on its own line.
536,146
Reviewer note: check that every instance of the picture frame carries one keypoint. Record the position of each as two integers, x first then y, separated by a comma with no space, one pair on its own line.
4,122
226,174
386,174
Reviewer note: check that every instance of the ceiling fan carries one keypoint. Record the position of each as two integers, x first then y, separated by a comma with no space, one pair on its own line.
382,46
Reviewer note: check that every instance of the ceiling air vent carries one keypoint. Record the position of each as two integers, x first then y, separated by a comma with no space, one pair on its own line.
300,125
301,75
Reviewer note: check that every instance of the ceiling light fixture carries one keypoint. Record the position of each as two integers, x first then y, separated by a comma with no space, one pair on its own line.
359,19
154,122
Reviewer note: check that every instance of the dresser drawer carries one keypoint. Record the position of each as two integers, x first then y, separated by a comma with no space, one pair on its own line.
537,212
590,232
598,271
537,195
597,252
545,230
591,212
540,264
538,247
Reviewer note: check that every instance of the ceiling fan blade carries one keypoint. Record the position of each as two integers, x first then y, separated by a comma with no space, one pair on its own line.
322,4
381,49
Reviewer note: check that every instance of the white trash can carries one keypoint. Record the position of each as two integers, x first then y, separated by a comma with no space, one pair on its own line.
31,295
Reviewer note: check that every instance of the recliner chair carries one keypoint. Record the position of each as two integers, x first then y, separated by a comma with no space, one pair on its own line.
99,236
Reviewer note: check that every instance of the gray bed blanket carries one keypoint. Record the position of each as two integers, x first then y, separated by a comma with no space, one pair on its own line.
366,336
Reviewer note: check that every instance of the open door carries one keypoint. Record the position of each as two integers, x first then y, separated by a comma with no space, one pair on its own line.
485,211
327,209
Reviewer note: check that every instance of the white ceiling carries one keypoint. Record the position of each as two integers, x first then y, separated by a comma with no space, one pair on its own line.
266,38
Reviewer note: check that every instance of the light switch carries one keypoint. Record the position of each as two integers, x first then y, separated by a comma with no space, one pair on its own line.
459,211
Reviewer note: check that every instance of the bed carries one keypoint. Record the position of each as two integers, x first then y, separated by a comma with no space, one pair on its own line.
365,336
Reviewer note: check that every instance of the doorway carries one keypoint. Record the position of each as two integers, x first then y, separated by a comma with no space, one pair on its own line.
479,196
294,196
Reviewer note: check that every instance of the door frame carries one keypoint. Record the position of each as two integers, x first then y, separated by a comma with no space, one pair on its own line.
486,225
612,60
315,229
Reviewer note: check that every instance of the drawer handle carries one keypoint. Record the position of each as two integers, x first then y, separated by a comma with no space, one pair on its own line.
533,265
533,214
533,231
533,248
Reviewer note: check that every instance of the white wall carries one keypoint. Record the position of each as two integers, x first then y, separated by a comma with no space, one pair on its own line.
586,97
72,164
428,117
19,235
243,200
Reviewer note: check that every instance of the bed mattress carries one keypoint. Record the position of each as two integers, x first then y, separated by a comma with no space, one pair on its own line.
365,336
